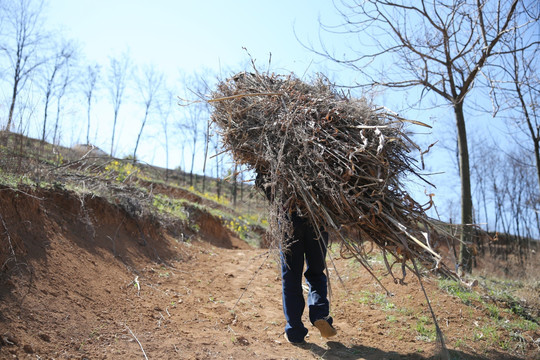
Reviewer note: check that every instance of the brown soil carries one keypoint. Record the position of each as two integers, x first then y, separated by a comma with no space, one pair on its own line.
68,291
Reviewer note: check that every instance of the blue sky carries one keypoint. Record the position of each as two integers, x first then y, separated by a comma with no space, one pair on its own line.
189,35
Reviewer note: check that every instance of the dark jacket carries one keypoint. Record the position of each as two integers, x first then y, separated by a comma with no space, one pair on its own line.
263,182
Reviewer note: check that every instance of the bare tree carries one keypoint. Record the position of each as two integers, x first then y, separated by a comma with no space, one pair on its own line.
234,189
89,87
518,184
196,120
518,83
149,84
119,68
199,85
218,156
60,59
3,11
164,108
22,37
482,171
182,135
66,80
191,125
435,45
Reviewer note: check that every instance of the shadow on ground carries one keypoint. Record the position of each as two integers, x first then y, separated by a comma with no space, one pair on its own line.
338,351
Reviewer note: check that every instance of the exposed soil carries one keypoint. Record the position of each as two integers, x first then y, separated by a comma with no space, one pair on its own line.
68,290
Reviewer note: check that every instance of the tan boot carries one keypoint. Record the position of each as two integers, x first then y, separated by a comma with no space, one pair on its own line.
326,329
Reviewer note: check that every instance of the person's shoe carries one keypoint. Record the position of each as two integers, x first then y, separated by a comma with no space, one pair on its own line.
326,329
303,342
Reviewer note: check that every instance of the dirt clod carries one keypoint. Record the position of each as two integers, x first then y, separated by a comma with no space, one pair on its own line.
28,349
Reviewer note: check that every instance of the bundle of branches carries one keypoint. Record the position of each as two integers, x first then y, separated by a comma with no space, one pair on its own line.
336,160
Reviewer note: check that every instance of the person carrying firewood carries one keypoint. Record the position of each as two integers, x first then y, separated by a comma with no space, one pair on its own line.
304,244
331,159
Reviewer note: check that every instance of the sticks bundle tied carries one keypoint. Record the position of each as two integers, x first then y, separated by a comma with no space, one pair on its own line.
335,160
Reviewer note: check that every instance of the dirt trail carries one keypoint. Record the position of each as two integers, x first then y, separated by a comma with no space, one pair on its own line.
74,295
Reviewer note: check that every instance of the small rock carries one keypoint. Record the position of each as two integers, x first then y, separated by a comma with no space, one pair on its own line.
45,337
242,341
28,349
8,339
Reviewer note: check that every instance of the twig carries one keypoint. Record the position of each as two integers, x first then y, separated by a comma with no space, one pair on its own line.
136,282
444,351
251,280
244,95
113,239
132,334
11,249
22,192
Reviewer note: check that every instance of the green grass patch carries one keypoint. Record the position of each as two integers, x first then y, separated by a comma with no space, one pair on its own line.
493,311
425,329
171,206
499,303
521,324
242,225
121,170
488,333
13,181
210,196
375,299
467,296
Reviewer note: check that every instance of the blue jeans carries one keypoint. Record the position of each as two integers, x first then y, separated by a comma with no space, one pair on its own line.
303,244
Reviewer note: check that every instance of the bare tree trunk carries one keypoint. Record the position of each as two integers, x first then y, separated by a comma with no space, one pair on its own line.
182,167
139,135
89,85
12,106
47,97
113,131
534,133
465,258
218,177
88,119
56,136
235,184
118,77
537,159
242,186
191,168
166,133
60,95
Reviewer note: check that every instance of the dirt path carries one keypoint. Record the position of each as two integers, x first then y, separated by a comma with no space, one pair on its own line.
213,303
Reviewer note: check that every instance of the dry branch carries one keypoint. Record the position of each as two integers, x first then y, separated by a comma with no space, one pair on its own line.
336,160
138,342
